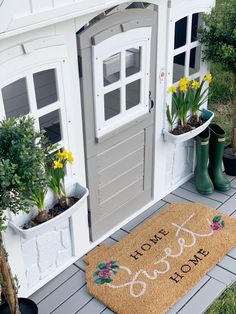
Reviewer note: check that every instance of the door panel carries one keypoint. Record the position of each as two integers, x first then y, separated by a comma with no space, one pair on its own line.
133,159
117,125
119,151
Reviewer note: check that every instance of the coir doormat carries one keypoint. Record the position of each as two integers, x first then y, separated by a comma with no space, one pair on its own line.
158,263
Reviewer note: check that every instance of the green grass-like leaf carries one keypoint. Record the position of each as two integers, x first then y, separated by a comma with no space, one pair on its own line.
225,304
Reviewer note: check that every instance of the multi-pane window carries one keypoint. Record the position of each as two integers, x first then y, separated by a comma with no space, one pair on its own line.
130,89
187,49
121,79
39,94
15,98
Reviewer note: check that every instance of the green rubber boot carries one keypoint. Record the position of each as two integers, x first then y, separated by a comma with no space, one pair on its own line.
203,182
217,142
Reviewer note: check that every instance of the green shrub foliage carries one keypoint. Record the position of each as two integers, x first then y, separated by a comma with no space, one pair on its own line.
219,35
219,39
23,154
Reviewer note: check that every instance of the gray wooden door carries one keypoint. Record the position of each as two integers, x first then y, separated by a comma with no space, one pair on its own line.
117,69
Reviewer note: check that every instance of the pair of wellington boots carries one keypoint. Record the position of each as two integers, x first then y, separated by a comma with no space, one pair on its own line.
209,150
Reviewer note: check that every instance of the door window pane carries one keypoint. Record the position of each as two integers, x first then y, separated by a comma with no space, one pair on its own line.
111,69
51,124
15,99
45,87
132,94
112,104
179,67
180,32
133,57
195,59
196,22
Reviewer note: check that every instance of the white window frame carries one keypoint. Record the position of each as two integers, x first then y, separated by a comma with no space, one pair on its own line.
34,111
135,38
187,49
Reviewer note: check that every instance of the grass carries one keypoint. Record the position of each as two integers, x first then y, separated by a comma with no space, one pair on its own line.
226,304
222,91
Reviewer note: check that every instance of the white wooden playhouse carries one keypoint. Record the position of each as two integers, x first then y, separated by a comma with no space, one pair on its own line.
94,74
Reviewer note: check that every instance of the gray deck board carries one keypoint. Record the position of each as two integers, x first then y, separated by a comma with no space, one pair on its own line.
228,263
203,298
92,307
187,195
78,300
217,196
180,304
67,293
119,235
222,275
232,253
80,264
59,296
54,284
230,178
107,311
171,198
142,217
233,183
229,206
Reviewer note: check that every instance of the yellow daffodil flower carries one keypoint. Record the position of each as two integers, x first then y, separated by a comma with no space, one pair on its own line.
208,78
172,89
183,84
57,164
184,81
61,154
195,84
69,157
187,81
183,87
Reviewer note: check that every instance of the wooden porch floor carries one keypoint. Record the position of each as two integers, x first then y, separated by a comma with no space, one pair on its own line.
67,293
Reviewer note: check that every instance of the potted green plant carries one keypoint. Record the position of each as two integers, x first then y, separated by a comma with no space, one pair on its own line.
27,169
185,117
21,156
219,39
66,200
57,177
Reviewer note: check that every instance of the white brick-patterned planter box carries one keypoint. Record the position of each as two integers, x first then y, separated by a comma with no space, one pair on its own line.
49,246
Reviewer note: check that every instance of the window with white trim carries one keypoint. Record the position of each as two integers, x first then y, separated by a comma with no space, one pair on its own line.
121,70
38,93
187,49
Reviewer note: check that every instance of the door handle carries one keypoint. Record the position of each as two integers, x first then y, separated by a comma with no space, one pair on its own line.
151,103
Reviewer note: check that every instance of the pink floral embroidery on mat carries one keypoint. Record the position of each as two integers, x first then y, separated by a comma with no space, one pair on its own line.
104,272
217,223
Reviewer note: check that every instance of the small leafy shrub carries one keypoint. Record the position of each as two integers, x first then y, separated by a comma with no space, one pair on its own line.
222,87
23,153
218,35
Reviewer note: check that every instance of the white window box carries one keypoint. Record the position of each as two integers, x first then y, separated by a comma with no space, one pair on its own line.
175,139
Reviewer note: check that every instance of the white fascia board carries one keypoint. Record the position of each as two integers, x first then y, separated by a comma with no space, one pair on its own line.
34,20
